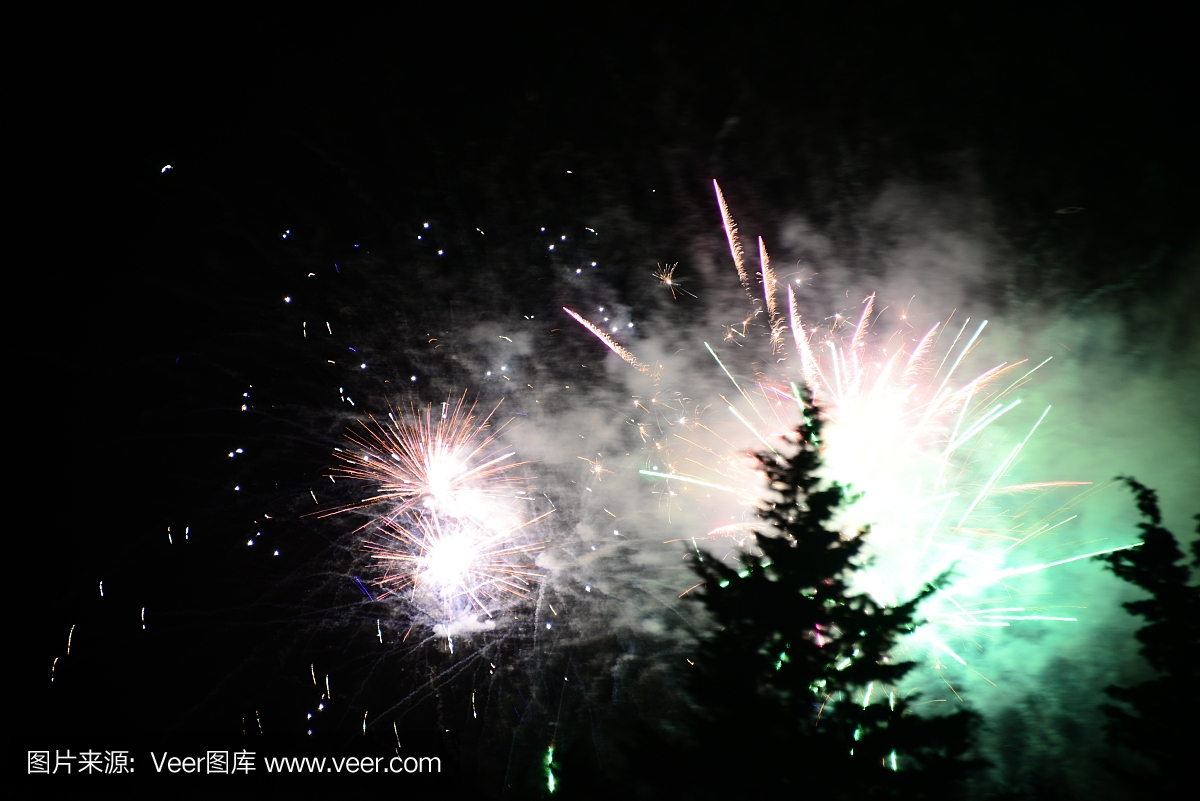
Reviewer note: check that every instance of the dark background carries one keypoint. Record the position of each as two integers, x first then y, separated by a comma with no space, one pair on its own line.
155,298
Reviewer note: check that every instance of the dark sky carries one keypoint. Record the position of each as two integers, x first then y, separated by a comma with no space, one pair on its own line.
155,296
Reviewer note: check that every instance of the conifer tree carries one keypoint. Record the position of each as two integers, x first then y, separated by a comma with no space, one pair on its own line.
1152,715
797,684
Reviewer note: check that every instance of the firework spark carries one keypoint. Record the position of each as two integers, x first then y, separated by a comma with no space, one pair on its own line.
769,286
609,341
444,509
735,244
446,562
911,436
449,461
666,276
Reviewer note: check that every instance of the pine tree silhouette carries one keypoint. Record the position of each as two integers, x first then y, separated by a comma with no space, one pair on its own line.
797,684
1153,714
793,690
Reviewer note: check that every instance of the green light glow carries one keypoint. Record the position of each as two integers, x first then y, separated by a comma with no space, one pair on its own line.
686,479
1020,571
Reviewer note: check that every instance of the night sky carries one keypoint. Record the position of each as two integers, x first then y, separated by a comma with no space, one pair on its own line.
365,211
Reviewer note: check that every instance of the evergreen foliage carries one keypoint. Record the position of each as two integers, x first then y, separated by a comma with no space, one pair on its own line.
1151,714
797,683
793,690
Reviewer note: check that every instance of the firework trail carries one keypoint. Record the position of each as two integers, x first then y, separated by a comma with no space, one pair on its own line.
735,245
609,341
908,434
769,289
808,362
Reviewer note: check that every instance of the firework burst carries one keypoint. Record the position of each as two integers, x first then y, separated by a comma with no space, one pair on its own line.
910,435
666,277
454,564
445,509
448,461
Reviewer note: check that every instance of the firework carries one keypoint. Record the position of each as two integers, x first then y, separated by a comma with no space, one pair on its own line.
666,276
609,341
909,434
770,285
449,533
735,244
455,565
448,461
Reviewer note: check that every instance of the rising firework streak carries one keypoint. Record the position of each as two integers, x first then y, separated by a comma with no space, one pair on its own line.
609,341
909,434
